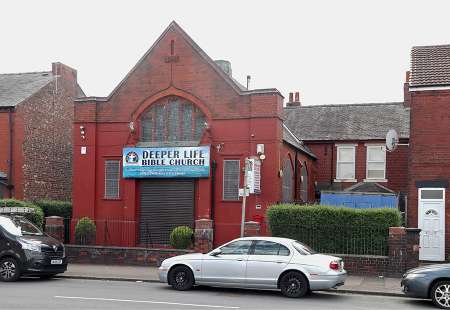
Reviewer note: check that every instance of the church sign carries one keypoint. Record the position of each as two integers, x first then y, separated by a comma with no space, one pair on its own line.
166,162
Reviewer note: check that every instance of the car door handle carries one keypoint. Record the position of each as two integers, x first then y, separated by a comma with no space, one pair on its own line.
240,259
280,262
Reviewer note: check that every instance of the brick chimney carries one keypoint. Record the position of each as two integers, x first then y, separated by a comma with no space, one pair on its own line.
406,93
294,100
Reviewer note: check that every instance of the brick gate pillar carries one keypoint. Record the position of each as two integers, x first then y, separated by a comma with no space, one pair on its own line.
252,229
203,235
54,227
412,247
403,249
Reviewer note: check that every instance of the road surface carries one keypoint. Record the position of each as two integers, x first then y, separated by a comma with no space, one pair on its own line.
70,294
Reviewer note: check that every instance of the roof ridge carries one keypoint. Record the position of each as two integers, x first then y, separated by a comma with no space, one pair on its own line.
348,105
20,73
430,46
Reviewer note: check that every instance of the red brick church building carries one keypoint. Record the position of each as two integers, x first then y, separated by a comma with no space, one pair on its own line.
168,147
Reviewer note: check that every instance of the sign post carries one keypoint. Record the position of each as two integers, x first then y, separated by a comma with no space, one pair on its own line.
244,196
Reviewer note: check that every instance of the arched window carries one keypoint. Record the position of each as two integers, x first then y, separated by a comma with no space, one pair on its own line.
172,119
304,183
287,185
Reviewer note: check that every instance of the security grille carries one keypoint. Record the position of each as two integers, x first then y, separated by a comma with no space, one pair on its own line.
231,179
165,204
112,178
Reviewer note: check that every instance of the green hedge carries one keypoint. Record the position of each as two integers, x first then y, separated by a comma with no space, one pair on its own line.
335,229
37,217
56,208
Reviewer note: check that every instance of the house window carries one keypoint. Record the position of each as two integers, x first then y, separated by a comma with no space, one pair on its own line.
231,179
112,179
345,162
172,119
376,162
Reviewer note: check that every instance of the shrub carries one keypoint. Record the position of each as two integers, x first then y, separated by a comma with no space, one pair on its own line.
85,231
181,237
335,229
37,217
56,208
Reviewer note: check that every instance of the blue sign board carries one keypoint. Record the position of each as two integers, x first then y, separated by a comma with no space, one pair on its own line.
166,162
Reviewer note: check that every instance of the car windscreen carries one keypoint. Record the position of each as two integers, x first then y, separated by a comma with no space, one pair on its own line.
303,248
7,224
19,226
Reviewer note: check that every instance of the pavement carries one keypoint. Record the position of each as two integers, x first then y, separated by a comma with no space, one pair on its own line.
354,284
82,294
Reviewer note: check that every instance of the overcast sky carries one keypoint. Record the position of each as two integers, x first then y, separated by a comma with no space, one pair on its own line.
331,51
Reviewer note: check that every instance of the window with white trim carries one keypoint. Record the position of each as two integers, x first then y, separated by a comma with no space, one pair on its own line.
376,162
112,179
345,162
231,175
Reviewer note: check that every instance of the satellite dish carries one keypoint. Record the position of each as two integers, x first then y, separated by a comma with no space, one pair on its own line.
391,140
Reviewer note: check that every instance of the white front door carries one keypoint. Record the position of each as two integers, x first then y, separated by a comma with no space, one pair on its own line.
432,224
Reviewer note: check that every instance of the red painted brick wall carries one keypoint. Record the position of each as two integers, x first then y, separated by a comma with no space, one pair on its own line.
237,122
429,144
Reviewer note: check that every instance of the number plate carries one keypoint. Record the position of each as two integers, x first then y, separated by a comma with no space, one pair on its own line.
56,261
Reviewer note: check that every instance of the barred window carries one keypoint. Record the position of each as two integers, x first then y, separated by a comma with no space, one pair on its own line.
112,179
172,119
231,179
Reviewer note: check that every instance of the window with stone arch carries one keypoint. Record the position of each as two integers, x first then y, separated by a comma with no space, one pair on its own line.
172,119
287,182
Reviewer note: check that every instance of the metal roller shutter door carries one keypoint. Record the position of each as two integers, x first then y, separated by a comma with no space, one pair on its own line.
165,204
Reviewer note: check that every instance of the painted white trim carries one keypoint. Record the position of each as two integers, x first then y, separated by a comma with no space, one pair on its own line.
345,144
345,180
375,180
425,88
354,159
367,162
431,188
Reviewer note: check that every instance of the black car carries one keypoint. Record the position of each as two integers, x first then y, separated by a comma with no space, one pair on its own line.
26,250
429,282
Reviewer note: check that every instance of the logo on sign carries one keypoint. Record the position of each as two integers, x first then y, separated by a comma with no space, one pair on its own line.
132,158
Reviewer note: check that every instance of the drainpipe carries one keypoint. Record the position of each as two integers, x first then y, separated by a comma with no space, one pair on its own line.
10,161
213,189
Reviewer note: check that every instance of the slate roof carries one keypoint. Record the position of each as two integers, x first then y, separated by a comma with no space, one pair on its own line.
348,121
430,66
16,87
291,139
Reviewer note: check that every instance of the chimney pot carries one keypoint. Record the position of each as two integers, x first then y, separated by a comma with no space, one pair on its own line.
291,97
297,96
407,76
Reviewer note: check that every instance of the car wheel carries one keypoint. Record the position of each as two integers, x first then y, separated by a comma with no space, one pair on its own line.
181,278
440,294
294,285
9,270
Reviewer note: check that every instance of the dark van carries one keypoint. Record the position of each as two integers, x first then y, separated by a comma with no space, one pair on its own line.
26,250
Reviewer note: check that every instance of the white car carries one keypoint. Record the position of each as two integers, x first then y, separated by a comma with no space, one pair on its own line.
257,263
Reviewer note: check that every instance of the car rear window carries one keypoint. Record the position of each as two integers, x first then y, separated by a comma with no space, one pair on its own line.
303,248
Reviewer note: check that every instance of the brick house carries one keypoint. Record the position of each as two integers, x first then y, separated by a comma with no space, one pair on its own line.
36,111
177,109
349,143
429,160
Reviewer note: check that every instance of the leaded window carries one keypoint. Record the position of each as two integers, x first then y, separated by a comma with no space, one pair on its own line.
172,119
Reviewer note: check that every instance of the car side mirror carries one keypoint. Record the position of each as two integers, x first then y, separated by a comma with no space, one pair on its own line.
215,252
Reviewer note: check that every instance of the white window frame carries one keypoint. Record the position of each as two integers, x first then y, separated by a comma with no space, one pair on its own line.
367,179
431,188
345,146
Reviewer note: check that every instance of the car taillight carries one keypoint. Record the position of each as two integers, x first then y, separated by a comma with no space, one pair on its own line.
334,265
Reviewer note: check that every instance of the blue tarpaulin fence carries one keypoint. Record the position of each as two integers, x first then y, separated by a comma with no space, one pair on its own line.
359,200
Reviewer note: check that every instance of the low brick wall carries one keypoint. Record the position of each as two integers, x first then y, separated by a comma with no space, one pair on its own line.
369,265
119,256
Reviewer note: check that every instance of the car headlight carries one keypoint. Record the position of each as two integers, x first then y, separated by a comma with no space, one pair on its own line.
415,275
64,250
30,246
